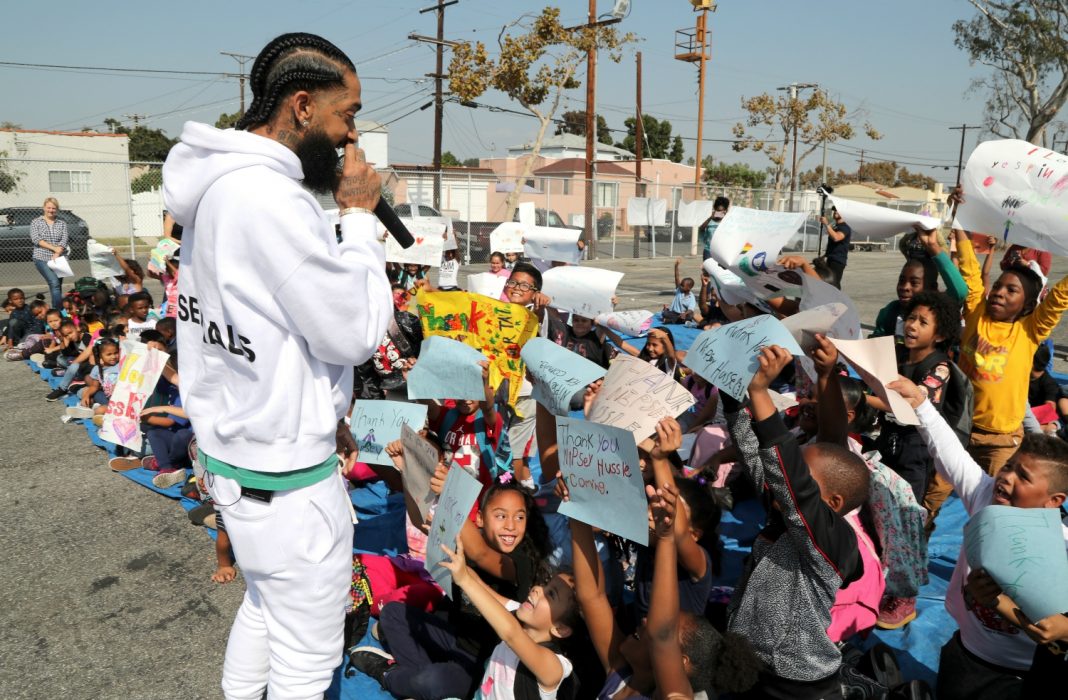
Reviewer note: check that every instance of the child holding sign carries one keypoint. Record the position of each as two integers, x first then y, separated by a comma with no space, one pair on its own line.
1001,333
988,656
805,554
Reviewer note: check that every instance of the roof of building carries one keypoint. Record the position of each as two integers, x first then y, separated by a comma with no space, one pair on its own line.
571,141
65,133
367,125
446,169
578,165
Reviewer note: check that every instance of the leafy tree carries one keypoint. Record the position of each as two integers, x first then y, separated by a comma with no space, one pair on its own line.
152,180
228,121
535,65
472,162
886,173
9,177
815,119
146,145
658,140
1022,41
574,122
448,160
9,125
734,175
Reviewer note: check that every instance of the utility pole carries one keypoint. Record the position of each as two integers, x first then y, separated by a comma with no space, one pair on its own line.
438,75
135,118
794,88
241,59
692,47
639,134
861,168
963,129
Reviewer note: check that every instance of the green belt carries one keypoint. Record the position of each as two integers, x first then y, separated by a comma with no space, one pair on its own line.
270,481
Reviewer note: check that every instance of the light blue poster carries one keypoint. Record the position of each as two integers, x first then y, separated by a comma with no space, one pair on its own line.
460,492
446,369
727,356
1023,550
560,373
375,424
599,464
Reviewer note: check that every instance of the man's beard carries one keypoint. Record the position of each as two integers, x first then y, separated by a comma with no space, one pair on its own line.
319,161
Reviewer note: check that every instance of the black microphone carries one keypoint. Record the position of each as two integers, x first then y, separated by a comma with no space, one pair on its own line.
393,224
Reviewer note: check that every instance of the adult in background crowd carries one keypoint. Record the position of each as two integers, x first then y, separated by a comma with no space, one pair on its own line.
838,237
48,233
273,313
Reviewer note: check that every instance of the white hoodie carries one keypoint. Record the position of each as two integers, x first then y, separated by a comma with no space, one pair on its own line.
272,313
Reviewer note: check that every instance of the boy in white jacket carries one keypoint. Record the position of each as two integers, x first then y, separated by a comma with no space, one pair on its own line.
993,650
273,313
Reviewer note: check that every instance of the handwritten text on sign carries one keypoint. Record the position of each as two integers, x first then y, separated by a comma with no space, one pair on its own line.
375,424
495,328
727,356
1023,550
635,396
599,464
140,370
460,492
560,373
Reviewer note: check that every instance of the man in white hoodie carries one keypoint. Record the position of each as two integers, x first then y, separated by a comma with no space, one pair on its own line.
273,313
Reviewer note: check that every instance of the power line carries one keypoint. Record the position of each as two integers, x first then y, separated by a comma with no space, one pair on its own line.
159,71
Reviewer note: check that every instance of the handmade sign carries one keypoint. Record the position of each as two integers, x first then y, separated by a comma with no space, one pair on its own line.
102,262
549,243
508,237
636,395
496,328
730,288
875,361
446,369
873,221
815,293
560,373
1023,550
1017,192
140,370
165,249
825,320
775,281
727,356
694,213
749,240
60,266
429,242
420,461
586,291
527,214
599,464
375,424
635,322
643,211
457,497
487,284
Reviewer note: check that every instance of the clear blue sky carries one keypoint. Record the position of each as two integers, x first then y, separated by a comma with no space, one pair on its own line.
896,61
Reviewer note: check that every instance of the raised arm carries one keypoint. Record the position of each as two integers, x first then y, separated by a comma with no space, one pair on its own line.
663,619
678,278
590,591
545,426
622,344
831,411
955,285
969,270
1048,313
541,661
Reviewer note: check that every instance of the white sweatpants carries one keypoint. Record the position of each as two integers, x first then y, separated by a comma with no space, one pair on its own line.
296,556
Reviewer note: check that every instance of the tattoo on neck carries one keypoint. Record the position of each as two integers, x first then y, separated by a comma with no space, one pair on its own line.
285,136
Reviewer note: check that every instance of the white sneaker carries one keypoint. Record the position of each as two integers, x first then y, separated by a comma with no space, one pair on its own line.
168,479
37,357
79,412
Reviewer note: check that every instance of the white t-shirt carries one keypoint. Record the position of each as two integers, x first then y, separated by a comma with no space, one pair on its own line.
134,328
448,272
499,681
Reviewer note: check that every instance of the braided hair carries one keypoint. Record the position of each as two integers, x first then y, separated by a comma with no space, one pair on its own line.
289,63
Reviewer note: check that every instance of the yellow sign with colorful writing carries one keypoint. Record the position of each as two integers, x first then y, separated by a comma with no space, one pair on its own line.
496,328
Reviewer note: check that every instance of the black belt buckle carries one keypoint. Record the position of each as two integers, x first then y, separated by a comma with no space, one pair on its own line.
262,495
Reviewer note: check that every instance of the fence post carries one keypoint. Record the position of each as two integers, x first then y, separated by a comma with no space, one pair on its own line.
468,218
129,211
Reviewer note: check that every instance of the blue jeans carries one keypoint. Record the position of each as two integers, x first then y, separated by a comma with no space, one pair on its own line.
430,662
55,286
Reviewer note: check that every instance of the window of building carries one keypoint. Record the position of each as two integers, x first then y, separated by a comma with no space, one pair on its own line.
607,194
566,186
70,181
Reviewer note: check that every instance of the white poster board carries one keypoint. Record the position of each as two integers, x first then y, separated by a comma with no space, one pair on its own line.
140,370
551,243
644,211
694,213
748,240
586,291
875,361
508,238
102,262
635,396
1018,192
429,238
487,284
871,221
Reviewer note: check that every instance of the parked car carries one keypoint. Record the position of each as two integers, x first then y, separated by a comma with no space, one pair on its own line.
15,244
405,210
546,217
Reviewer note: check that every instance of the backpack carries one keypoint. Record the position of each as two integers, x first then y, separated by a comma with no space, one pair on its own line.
498,462
959,405
87,286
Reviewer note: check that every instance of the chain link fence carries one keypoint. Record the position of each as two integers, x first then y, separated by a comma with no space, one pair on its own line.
120,204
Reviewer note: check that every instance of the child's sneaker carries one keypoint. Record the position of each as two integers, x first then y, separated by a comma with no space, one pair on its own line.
896,612
79,412
55,395
37,357
371,661
123,464
210,521
13,355
98,420
150,463
167,479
